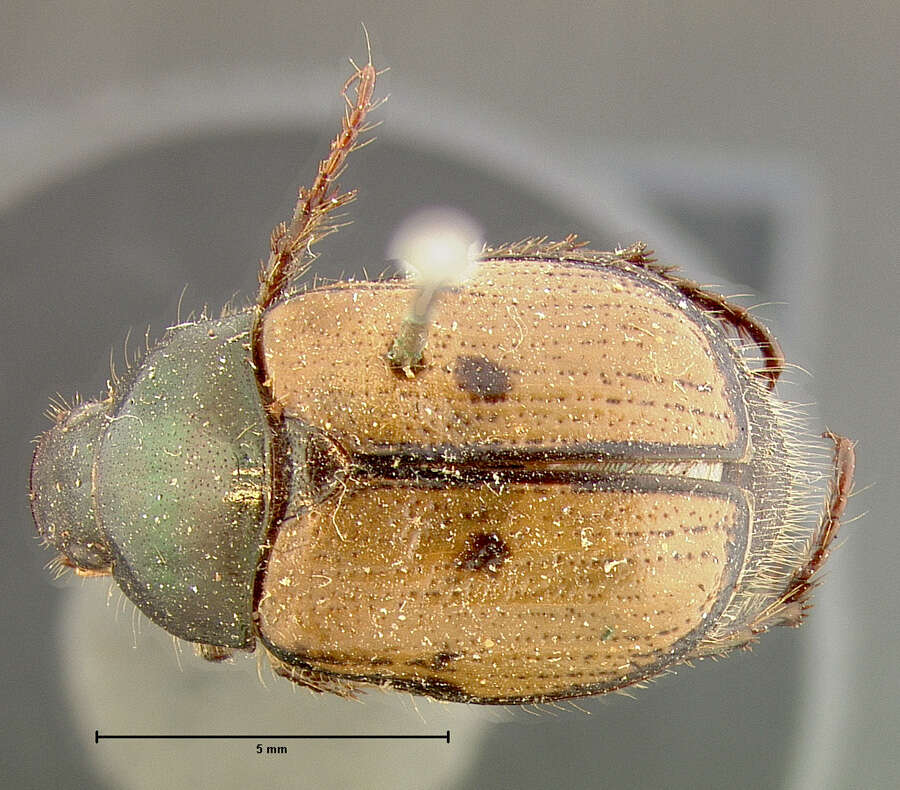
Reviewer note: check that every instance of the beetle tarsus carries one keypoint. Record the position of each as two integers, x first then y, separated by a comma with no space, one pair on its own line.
839,493
791,608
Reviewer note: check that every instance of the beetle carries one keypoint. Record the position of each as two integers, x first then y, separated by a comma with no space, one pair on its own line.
557,478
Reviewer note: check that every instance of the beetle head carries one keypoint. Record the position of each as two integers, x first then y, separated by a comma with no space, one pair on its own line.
62,498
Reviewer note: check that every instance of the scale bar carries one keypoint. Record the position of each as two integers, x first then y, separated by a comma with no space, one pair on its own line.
178,737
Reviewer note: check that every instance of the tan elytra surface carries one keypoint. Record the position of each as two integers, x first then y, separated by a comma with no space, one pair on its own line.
531,354
578,592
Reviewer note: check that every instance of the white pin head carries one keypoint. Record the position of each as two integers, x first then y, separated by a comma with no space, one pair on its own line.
439,248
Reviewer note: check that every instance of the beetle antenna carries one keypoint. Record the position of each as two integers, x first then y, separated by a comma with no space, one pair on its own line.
291,243
307,226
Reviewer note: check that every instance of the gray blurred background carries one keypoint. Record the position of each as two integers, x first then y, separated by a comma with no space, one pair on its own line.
148,146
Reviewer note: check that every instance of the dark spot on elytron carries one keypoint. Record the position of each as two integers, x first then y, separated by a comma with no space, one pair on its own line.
484,551
481,378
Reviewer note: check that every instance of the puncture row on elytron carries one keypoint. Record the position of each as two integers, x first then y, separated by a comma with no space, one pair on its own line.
555,479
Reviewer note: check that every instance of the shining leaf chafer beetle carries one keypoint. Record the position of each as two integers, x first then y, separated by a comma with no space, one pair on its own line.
555,479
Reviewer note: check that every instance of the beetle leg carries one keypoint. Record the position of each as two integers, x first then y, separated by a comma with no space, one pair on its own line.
637,254
791,607
729,313
319,682
839,493
213,653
